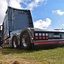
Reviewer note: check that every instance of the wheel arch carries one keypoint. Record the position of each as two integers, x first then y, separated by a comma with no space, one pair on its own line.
29,32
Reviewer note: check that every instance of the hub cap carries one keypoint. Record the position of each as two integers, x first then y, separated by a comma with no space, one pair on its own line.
24,42
14,44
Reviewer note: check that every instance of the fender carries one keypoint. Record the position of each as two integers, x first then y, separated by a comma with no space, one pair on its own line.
30,31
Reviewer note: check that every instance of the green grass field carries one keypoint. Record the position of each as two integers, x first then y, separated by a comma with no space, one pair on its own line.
16,56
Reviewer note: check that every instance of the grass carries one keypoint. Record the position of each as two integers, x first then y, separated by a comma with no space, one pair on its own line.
16,56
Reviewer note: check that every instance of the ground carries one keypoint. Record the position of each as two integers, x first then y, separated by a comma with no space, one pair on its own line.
43,56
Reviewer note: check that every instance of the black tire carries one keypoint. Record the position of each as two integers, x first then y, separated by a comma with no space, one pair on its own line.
25,41
14,42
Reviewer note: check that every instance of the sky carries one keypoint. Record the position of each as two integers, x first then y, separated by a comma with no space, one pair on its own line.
46,14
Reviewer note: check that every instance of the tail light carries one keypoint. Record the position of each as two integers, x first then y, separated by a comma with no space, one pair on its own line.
36,36
41,36
46,35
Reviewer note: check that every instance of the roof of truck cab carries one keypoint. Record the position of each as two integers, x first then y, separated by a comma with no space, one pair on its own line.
26,10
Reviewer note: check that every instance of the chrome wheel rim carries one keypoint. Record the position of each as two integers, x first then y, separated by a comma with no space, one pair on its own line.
24,42
14,44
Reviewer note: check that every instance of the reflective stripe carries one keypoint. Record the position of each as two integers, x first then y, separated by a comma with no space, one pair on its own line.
39,43
49,42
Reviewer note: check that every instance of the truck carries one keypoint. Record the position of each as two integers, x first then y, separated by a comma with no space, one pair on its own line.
18,31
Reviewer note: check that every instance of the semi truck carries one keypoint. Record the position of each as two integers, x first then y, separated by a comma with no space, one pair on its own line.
19,32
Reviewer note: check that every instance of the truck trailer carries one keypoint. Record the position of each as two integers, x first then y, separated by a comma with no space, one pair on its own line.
18,31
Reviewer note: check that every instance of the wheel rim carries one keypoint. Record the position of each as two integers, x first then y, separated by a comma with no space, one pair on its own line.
24,41
14,44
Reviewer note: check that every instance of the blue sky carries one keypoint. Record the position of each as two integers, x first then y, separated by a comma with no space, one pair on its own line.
46,14
52,9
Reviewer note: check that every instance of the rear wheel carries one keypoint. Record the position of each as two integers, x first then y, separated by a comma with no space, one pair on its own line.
25,40
15,42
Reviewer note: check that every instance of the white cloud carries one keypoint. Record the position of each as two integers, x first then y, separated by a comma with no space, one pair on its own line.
34,4
42,23
4,4
15,3
3,8
58,12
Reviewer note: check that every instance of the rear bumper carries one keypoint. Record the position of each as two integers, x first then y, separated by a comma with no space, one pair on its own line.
48,42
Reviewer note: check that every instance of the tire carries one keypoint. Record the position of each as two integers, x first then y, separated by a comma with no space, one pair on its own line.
25,41
14,42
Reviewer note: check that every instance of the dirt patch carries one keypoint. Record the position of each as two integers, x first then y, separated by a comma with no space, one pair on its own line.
14,61
18,61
